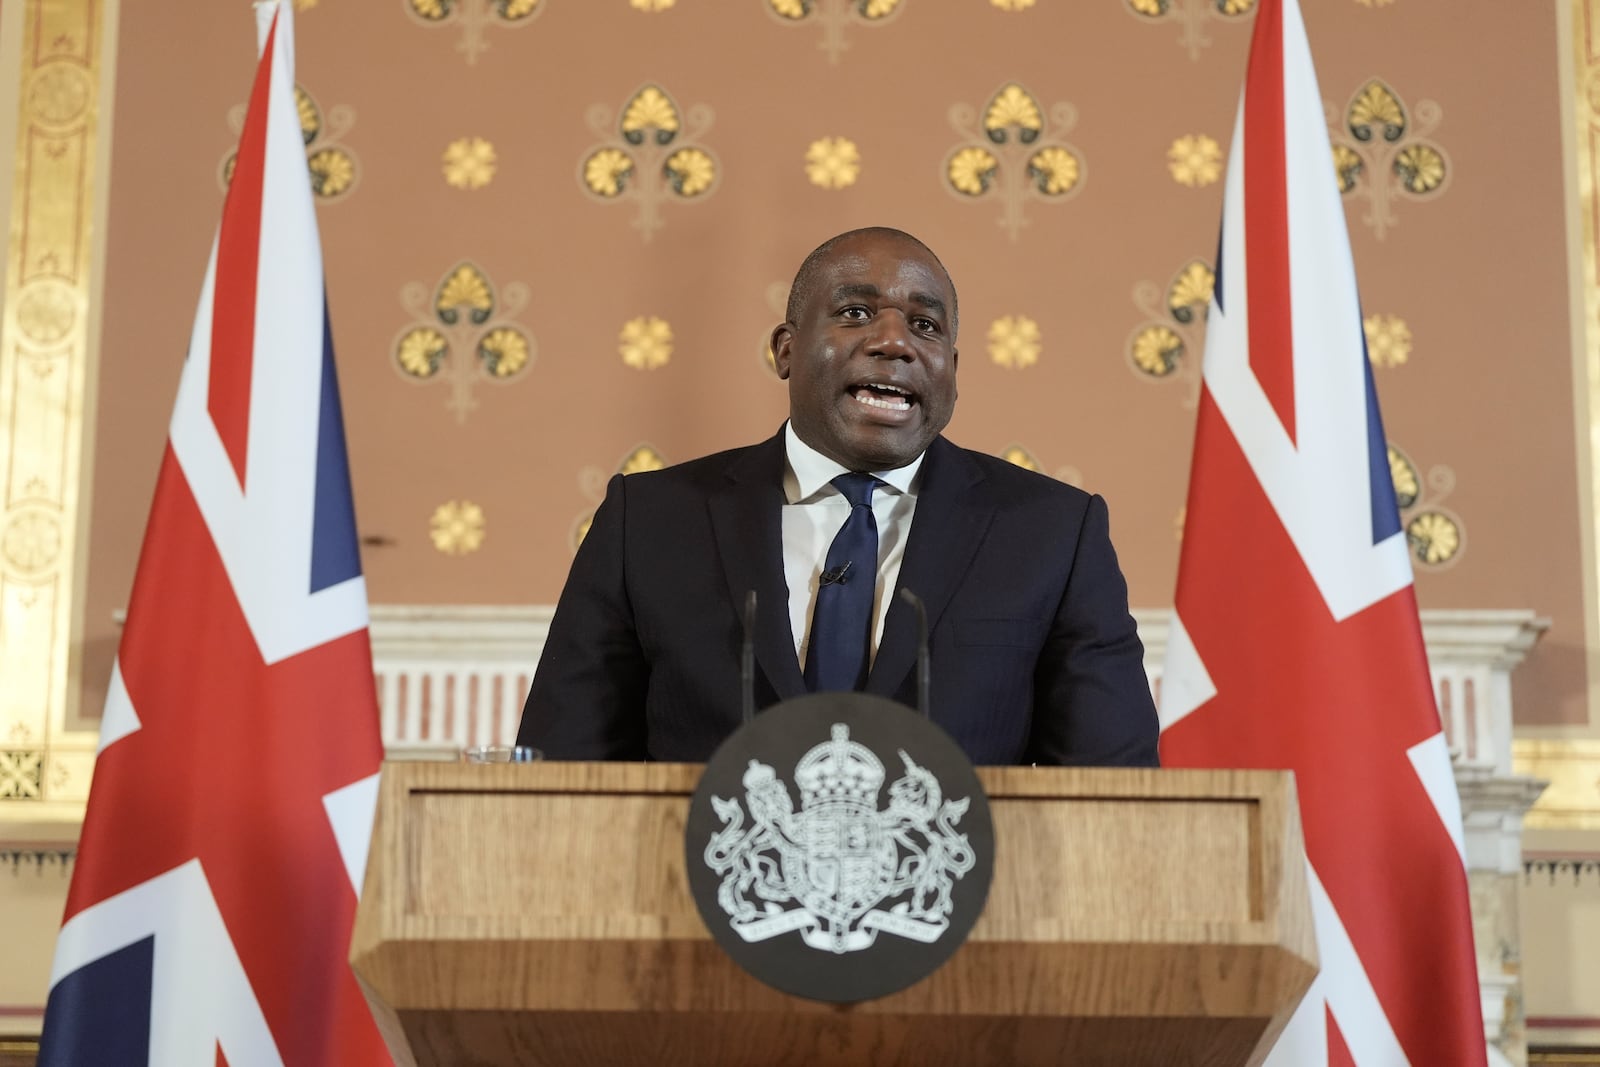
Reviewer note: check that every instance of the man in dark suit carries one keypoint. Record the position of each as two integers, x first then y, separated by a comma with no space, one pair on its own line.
1035,658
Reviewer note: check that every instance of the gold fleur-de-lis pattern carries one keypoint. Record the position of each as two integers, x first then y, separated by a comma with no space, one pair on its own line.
1383,151
1192,17
475,18
834,18
1166,345
333,166
592,483
463,332
1012,152
1434,533
653,156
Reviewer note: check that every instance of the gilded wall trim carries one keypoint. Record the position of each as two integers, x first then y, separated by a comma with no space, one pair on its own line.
1578,55
47,339
1569,757
1572,767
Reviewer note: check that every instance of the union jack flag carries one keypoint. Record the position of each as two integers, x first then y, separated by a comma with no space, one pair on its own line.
1296,643
223,848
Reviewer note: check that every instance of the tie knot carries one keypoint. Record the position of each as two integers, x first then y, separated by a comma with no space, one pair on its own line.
857,487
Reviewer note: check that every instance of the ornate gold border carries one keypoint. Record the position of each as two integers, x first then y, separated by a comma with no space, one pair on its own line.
48,337
1572,767
1578,56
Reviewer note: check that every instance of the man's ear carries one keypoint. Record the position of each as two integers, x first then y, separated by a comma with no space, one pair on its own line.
782,337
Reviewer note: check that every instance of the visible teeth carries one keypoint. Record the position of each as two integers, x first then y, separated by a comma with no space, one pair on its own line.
879,402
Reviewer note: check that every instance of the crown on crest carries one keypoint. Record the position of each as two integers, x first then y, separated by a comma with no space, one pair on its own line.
839,771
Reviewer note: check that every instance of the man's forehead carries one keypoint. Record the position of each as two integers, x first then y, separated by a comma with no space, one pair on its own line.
862,259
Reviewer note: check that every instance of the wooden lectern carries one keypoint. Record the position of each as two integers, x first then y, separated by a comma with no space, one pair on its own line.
539,914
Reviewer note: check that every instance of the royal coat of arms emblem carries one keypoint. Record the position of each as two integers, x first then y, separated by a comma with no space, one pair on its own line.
842,869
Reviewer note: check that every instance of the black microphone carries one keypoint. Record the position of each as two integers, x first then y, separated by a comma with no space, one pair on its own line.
747,659
922,651
835,576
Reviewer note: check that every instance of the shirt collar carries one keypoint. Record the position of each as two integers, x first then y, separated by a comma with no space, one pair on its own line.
808,470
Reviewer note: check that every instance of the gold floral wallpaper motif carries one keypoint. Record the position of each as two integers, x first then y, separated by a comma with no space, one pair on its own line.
456,528
655,157
1195,160
463,332
1434,533
1012,152
468,163
1381,153
645,342
1015,342
1021,456
1013,5
474,17
833,163
1192,17
834,17
592,483
333,166
1166,347
1388,340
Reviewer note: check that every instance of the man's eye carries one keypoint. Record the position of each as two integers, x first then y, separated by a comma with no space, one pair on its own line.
924,324
855,312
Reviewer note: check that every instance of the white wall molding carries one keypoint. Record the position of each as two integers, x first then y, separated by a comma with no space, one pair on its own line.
454,675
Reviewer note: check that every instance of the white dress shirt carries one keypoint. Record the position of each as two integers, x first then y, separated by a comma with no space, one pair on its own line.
813,515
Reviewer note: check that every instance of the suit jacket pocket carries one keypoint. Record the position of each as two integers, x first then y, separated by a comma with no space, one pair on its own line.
1011,633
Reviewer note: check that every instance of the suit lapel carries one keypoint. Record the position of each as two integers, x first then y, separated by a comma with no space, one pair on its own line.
747,518
953,513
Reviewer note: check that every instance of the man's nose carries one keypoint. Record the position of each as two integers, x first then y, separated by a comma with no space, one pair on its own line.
891,336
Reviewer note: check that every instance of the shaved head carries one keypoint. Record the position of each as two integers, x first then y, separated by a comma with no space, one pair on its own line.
805,279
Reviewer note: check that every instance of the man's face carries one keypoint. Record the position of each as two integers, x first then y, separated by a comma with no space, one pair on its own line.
871,361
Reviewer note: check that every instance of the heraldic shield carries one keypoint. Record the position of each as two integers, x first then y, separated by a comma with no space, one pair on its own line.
855,874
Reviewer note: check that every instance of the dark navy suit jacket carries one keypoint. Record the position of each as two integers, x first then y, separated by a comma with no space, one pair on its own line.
1035,658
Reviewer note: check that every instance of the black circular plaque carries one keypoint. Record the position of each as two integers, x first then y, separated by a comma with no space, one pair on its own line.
839,847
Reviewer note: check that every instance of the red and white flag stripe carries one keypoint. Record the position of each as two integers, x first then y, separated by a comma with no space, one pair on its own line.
1296,642
222,852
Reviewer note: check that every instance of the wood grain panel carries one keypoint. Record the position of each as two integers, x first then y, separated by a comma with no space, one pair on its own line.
539,913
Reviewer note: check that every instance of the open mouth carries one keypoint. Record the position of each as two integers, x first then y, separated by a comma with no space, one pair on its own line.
883,396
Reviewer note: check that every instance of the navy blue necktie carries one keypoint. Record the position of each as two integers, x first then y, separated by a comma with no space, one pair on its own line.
841,625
